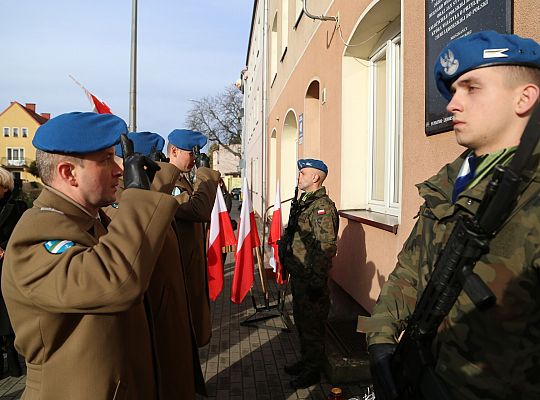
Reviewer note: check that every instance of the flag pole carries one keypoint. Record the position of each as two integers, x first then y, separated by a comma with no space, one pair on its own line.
133,79
262,275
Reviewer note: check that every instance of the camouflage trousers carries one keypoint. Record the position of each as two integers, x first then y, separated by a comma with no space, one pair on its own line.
310,310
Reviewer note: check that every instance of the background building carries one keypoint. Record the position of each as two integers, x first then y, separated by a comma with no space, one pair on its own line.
345,81
19,124
228,164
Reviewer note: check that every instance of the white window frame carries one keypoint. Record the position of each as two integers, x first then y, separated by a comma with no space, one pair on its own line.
393,142
6,131
24,132
15,131
19,161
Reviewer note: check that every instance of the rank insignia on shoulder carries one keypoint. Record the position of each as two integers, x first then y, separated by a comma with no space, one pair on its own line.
321,212
114,205
51,210
57,246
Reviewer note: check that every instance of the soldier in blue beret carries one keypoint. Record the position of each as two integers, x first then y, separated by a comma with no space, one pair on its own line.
306,252
144,143
75,279
492,83
196,201
177,353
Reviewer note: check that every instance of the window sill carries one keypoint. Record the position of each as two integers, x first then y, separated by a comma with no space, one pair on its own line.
385,222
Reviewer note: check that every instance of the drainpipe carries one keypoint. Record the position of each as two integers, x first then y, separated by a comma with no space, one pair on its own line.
322,17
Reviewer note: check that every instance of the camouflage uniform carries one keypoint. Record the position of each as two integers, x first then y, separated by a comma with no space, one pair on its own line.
492,354
313,246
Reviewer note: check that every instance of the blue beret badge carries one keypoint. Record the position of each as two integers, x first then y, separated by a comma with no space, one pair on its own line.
58,246
449,63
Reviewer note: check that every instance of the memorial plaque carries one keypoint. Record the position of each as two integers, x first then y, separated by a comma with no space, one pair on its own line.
447,20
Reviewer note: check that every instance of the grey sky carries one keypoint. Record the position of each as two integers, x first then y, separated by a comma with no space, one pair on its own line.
186,50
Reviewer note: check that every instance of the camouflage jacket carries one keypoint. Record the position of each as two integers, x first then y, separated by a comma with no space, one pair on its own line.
314,239
490,354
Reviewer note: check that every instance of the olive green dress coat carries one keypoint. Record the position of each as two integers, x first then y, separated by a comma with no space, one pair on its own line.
196,203
77,311
178,357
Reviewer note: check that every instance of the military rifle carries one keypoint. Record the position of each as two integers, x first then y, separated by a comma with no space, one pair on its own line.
285,243
412,364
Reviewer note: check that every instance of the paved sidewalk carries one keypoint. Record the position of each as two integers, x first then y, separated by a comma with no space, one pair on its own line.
246,362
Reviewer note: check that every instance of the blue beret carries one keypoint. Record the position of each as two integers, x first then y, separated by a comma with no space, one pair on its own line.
482,49
79,132
311,163
142,143
186,139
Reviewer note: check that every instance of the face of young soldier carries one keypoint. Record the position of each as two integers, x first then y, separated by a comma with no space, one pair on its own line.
483,109
182,159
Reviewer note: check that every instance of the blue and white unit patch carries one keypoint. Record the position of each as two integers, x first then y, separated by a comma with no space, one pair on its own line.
58,246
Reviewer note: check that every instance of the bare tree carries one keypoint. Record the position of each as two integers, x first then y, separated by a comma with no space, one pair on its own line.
219,118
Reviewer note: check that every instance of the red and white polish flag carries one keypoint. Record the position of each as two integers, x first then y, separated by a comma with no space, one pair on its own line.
276,229
221,234
98,105
248,239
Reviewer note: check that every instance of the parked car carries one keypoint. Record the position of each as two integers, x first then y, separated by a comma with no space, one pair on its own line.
236,193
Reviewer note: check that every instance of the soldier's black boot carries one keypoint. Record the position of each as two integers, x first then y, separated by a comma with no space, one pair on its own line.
294,369
306,379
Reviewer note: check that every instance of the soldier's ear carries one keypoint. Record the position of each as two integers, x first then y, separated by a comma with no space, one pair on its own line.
527,99
66,172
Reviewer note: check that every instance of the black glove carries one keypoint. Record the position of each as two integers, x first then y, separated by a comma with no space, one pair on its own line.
157,155
380,356
314,292
202,160
139,170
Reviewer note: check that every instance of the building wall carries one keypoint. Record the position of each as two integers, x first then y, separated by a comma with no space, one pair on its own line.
226,162
317,56
254,108
16,116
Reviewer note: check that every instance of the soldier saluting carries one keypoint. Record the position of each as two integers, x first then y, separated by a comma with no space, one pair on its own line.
73,281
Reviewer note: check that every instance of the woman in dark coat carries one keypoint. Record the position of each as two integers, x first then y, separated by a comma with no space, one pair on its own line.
11,209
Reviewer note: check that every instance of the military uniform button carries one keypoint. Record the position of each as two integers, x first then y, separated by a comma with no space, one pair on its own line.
469,202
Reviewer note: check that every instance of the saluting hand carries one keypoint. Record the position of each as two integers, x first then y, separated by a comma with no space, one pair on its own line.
139,170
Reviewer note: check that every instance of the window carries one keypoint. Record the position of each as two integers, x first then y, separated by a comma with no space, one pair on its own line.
6,132
385,128
299,8
273,50
15,156
15,132
24,132
284,26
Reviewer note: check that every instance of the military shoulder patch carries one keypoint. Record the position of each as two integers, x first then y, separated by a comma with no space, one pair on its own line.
321,212
58,246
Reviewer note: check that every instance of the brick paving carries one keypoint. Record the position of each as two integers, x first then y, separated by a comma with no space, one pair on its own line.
246,362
